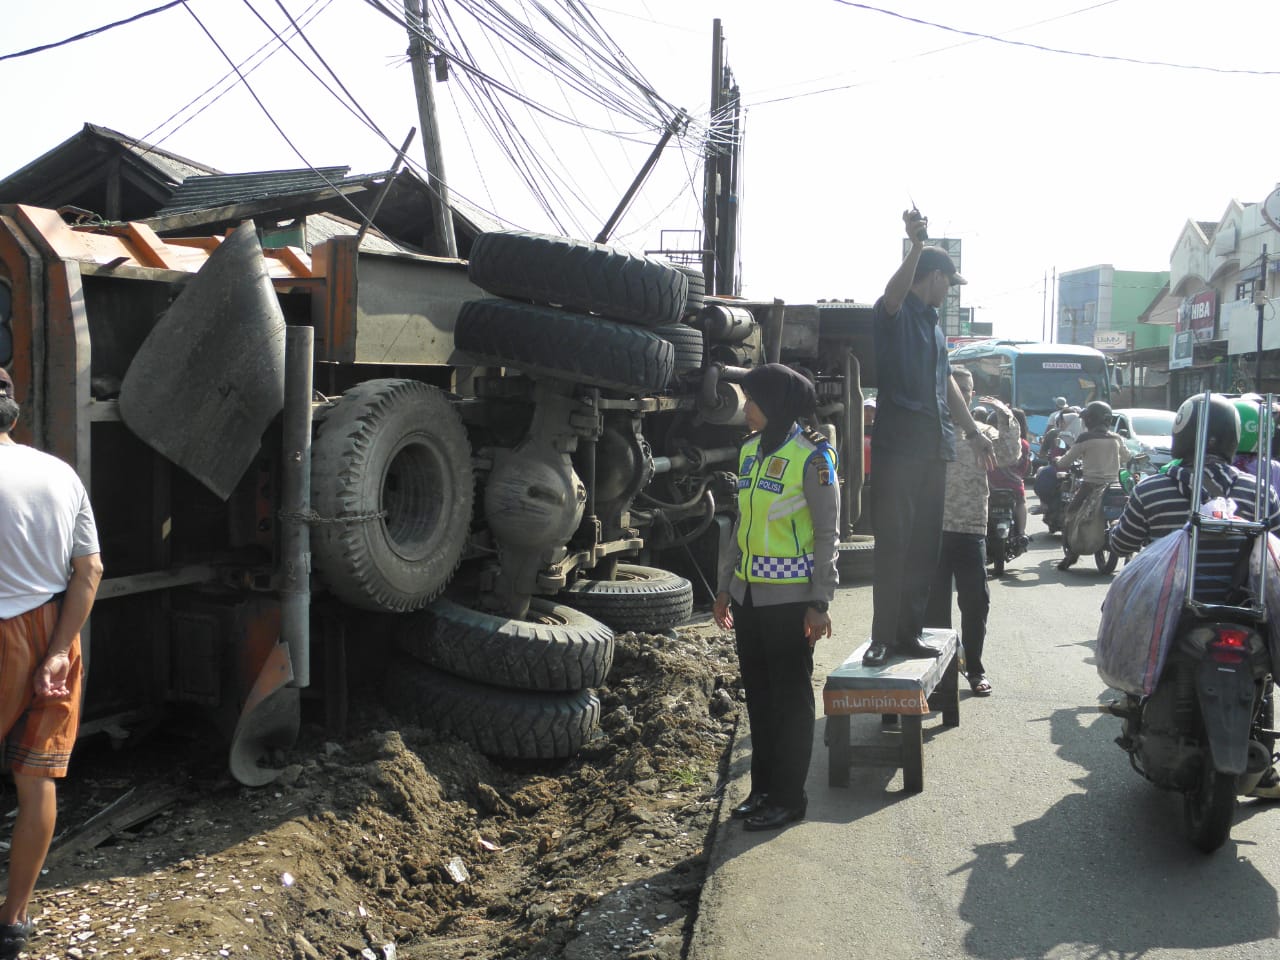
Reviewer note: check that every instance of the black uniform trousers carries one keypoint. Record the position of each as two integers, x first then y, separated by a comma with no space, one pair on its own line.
906,517
777,675
963,558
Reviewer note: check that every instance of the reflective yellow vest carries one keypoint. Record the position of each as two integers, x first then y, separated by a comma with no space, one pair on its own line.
775,528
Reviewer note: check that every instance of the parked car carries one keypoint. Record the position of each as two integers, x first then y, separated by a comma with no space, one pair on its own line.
1146,430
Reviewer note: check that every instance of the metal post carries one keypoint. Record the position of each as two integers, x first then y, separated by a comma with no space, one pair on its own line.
416,21
386,187
1260,298
295,529
680,119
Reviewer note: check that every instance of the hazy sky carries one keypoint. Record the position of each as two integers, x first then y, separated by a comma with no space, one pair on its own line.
1035,159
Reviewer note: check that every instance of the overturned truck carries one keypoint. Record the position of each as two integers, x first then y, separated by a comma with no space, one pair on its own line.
496,462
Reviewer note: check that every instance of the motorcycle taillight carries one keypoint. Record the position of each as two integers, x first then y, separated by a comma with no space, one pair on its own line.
1229,645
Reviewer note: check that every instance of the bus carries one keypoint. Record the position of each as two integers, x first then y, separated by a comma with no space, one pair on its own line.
1031,375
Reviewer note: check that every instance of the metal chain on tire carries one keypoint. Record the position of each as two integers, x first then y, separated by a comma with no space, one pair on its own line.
314,519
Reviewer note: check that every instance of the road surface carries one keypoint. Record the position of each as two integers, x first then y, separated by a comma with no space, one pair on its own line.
1033,838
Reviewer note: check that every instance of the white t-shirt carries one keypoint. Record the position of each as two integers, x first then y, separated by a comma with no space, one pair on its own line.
45,520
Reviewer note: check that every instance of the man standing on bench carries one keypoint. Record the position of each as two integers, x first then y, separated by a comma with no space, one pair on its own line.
912,441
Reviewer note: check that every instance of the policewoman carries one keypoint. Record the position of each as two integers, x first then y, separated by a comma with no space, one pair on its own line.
776,583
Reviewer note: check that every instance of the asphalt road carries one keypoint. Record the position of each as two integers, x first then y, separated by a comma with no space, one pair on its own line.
1033,838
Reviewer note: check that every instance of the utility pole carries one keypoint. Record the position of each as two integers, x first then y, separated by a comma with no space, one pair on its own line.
1260,298
681,119
710,166
419,57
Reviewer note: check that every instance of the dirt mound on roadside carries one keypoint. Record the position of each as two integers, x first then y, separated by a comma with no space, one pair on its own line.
395,841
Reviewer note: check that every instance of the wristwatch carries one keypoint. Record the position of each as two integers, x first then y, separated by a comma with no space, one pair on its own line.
819,605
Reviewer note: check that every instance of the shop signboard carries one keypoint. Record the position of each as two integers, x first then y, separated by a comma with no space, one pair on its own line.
1181,349
1111,341
1197,314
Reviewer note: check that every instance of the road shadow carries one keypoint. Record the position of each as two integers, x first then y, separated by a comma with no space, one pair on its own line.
1106,873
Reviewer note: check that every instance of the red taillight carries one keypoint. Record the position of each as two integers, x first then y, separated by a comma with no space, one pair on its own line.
1229,645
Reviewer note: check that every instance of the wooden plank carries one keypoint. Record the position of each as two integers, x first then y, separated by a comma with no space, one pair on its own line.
838,751
912,755
135,806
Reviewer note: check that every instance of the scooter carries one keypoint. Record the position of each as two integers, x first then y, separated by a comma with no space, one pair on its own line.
1206,729
1002,544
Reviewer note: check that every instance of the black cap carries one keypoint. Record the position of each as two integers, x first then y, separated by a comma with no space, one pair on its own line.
6,383
935,258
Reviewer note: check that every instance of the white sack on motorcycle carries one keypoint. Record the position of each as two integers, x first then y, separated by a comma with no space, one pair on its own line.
1140,615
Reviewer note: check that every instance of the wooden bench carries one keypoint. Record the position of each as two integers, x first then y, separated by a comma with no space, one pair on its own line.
903,687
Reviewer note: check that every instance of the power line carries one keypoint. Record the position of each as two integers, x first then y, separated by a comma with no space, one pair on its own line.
92,33
1047,49
360,215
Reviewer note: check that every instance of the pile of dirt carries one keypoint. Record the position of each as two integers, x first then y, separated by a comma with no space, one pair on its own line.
398,842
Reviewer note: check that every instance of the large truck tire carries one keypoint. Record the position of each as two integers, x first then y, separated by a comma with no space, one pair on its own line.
696,298
515,724
554,648
544,341
643,599
578,276
392,487
688,343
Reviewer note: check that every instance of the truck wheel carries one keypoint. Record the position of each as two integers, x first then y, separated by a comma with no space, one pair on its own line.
687,342
391,483
549,342
578,276
553,648
516,724
643,599
856,559
697,296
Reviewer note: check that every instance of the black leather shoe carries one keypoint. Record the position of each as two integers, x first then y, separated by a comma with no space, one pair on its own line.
755,803
771,818
876,655
914,649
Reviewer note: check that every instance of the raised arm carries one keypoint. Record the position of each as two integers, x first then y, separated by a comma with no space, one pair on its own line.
899,284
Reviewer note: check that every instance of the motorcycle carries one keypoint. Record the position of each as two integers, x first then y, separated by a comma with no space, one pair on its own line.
1053,489
1206,730
1002,544
1114,500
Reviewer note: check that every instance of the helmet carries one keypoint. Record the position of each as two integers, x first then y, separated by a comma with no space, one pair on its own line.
1059,402
1224,427
1248,412
994,416
980,414
1097,415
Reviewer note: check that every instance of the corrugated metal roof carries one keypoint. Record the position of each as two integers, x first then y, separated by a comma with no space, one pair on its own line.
208,192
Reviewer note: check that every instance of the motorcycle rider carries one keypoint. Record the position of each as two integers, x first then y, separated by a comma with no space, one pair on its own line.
1014,476
1250,442
1161,503
1100,451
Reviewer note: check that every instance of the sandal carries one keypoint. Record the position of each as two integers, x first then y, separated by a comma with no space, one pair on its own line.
980,685
14,937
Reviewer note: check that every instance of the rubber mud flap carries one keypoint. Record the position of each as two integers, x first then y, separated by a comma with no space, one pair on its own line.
1226,705
209,378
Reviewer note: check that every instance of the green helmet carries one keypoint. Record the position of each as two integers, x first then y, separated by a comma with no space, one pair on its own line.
1248,410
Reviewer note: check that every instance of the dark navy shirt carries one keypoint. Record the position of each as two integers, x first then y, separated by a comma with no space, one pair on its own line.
913,419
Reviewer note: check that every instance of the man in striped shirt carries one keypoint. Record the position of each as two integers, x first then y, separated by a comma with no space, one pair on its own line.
1161,503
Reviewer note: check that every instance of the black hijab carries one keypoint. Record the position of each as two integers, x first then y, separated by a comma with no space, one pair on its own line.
783,396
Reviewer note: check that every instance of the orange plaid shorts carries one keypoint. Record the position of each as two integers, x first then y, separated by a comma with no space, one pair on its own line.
38,733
